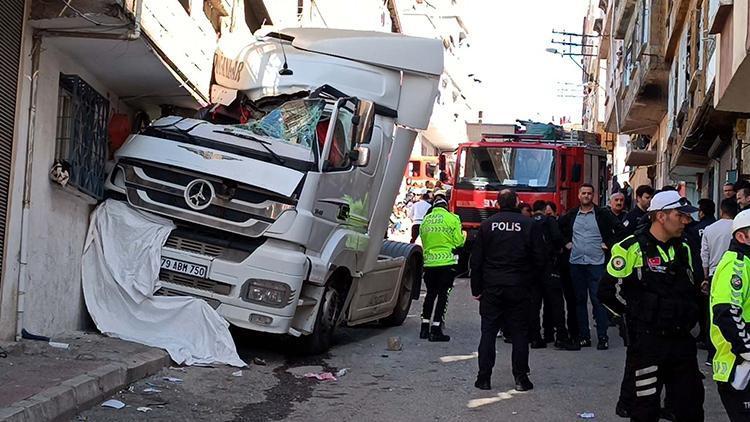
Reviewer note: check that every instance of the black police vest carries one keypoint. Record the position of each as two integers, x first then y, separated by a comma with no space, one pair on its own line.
664,300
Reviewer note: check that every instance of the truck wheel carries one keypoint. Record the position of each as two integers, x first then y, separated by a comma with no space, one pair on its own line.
404,297
321,339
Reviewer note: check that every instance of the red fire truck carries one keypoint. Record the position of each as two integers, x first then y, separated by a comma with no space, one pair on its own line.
551,170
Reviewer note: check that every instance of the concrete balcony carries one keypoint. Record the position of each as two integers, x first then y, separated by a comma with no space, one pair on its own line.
641,104
676,19
624,10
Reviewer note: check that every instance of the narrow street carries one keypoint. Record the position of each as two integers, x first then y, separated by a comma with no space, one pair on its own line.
424,381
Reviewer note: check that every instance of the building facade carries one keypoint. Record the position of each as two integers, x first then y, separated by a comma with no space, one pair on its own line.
673,90
86,76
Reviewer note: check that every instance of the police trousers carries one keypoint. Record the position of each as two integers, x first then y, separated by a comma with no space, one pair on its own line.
506,307
736,403
549,291
668,362
439,281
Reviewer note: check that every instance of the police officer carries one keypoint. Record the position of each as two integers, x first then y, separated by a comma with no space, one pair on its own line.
505,260
441,235
650,279
549,289
730,312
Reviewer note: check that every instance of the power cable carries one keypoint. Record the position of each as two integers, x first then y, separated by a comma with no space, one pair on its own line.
83,15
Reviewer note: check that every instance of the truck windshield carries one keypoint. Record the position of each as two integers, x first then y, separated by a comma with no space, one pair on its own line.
530,169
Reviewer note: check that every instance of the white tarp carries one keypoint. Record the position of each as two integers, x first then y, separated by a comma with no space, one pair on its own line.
120,271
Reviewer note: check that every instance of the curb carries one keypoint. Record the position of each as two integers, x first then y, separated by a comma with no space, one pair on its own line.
77,394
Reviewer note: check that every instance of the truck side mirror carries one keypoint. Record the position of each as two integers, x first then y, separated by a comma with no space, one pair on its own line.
576,176
441,162
363,122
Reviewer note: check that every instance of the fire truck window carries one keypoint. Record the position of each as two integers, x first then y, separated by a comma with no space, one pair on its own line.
430,170
529,168
414,168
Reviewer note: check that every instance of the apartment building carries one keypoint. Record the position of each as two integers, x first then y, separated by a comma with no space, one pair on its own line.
669,65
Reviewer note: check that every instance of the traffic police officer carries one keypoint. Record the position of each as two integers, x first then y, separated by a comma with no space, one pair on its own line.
441,235
730,311
508,255
650,279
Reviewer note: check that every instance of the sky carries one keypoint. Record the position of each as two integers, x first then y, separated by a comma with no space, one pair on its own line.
520,79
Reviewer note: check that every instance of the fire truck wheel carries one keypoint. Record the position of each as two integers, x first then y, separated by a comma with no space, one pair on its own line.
321,339
404,297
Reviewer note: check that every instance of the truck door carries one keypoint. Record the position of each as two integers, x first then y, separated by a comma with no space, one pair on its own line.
346,194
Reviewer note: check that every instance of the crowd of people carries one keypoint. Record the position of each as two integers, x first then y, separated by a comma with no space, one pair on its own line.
669,282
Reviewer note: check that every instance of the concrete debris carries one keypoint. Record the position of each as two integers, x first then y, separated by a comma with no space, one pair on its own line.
341,372
259,362
237,373
144,409
58,345
394,344
172,379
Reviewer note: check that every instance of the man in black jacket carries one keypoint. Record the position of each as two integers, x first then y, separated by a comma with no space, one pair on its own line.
589,232
549,289
643,196
507,255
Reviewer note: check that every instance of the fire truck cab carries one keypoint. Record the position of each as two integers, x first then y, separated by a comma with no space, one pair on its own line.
550,170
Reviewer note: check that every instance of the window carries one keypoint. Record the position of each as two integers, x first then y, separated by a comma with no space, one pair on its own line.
81,138
525,169
339,158
645,23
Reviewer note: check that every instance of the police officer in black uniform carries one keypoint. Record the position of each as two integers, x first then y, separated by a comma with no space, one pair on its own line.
651,281
549,289
507,256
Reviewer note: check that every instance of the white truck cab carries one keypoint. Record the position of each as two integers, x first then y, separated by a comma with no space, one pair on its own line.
281,212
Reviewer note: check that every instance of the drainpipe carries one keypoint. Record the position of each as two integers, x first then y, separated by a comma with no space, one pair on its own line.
26,210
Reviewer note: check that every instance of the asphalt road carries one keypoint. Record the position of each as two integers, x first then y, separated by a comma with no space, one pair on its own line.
423,382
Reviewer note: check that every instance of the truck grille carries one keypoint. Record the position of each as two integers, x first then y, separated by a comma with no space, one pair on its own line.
195,282
240,209
165,291
475,215
194,246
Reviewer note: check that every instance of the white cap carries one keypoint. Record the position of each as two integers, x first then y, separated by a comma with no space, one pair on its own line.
671,200
741,221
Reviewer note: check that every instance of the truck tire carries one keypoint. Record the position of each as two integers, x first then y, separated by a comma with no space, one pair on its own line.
321,339
411,279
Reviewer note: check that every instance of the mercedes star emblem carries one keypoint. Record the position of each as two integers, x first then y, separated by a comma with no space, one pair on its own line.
198,194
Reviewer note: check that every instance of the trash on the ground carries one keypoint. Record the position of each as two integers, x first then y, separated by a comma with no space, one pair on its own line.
114,404
383,356
151,390
514,413
144,409
3,353
172,379
58,345
341,372
131,389
85,356
177,368
322,376
587,415
237,373
394,344
259,362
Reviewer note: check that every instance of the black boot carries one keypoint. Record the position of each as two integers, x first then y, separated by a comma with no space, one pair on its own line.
483,383
436,334
523,383
424,331
565,343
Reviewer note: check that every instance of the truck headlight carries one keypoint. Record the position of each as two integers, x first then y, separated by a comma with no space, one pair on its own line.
267,292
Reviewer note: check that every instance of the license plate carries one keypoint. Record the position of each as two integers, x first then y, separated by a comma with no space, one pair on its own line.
184,267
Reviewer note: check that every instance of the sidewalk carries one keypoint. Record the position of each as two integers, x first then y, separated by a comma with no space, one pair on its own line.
39,382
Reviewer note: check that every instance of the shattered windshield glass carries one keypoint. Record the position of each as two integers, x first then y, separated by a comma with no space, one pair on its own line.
293,122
